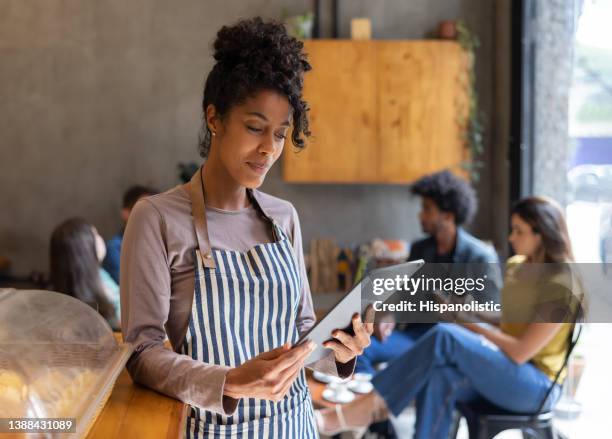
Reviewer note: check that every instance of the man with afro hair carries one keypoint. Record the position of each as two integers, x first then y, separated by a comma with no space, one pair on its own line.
448,203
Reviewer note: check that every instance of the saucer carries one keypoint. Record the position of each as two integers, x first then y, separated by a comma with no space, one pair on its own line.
360,386
362,376
342,397
325,378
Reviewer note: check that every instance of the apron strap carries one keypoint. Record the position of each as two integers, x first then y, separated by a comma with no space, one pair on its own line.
275,228
198,210
199,218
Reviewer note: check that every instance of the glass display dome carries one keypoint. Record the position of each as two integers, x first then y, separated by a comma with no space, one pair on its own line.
58,358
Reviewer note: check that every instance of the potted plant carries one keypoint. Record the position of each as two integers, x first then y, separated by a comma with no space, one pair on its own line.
473,132
300,26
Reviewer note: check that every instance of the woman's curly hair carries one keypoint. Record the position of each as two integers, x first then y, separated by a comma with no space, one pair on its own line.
254,55
450,193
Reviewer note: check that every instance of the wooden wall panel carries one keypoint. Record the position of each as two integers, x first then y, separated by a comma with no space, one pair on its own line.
343,115
420,104
339,92
381,111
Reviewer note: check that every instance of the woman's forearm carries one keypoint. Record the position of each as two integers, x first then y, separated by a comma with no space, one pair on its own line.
491,317
520,349
507,343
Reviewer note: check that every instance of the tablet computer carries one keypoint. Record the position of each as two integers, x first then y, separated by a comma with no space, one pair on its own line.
340,315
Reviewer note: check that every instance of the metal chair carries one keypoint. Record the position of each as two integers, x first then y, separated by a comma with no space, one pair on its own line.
486,420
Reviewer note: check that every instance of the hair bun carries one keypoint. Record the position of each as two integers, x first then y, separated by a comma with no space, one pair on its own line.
254,41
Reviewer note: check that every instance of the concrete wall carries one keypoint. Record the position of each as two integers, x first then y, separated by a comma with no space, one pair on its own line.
96,95
554,61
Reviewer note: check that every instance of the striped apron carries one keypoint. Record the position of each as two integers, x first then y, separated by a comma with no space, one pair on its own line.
245,304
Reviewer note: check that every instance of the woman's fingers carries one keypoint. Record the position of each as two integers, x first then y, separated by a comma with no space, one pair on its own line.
275,353
359,328
363,331
270,374
289,382
277,390
297,352
276,387
370,314
355,343
346,339
341,352
296,355
347,346
278,379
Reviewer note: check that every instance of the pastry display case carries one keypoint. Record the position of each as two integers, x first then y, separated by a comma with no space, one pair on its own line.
58,359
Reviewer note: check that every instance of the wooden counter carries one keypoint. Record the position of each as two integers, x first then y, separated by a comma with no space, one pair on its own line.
134,411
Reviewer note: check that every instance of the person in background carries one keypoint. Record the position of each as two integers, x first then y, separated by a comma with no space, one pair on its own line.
511,365
76,251
447,204
112,260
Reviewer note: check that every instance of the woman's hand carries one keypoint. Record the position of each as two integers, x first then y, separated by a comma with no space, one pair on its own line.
347,346
268,375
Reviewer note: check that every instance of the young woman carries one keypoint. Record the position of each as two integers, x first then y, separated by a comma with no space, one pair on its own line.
218,265
511,366
76,253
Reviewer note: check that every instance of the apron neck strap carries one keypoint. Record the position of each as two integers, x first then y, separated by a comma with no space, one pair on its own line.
198,210
253,195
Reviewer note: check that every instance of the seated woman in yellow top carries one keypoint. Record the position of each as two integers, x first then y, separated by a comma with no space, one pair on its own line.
511,366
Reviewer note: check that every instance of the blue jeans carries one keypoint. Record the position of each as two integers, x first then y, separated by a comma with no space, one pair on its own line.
450,363
395,345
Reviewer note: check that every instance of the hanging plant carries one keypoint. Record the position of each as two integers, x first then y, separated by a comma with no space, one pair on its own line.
473,132
299,26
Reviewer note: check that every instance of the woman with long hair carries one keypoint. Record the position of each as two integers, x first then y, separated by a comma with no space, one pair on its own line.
76,251
511,366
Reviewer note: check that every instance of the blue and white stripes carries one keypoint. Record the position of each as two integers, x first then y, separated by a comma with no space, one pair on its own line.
246,306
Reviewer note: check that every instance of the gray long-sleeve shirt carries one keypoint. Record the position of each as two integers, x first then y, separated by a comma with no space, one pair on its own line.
157,286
